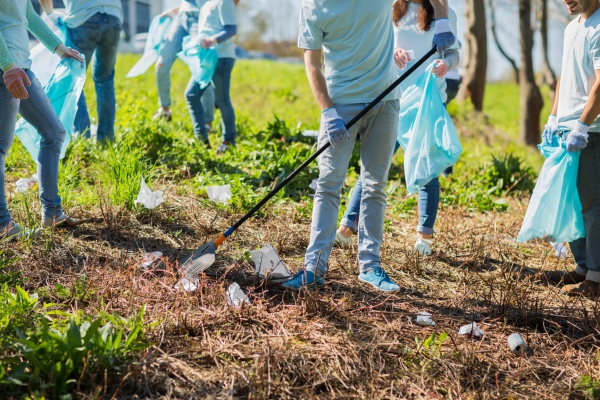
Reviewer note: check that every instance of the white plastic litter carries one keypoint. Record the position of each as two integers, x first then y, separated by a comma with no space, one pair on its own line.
412,59
424,319
189,285
236,296
471,329
219,194
560,250
147,197
269,265
24,184
310,133
150,259
313,184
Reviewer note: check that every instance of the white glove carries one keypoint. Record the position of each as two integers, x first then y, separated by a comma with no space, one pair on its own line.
56,18
578,137
334,126
550,129
206,43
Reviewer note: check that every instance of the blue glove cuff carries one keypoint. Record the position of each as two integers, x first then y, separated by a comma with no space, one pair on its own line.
327,109
583,123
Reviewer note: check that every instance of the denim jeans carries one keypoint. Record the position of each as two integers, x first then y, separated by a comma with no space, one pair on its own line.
38,111
586,251
222,82
208,103
98,36
378,131
183,24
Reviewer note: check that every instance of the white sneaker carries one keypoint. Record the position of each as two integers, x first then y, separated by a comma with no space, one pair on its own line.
423,246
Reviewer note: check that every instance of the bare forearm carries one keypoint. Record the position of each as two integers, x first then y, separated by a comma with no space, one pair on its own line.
47,6
317,83
555,105
592,107
440,8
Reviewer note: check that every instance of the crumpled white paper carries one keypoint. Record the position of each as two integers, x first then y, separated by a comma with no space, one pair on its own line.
560,250
150,259
147,197
236,296
24,184
471,329
424,319
269,265
219,194
313,184
189,285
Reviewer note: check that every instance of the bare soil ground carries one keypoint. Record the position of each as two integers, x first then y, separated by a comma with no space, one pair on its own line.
343,341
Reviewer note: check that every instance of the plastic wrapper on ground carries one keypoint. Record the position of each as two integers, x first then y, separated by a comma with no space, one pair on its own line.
147,197
219,194
269,265
471,329
187,285
424,319
150,258
236,296
24,184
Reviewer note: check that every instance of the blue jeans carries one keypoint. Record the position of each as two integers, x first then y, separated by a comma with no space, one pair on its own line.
208,103
38,111
586,251
183,24
98,36
378,131
222,82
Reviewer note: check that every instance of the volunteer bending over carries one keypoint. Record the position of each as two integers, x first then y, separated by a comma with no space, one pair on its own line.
93,28
217,21
358,67
21,93
414,29
575,116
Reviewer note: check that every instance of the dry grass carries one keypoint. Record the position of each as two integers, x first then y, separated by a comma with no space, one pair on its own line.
345,341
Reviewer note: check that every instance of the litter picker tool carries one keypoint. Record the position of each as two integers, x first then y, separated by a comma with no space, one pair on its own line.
204,257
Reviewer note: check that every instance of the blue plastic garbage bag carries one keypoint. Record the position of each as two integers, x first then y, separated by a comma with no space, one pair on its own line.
156,36
426,132
554,212
63,90
44,61
202,62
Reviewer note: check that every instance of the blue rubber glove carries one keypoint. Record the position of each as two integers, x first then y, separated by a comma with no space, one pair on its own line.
578,137
334,126
550,130
443,37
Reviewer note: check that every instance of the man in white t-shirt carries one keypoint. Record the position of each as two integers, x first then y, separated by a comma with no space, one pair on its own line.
576,109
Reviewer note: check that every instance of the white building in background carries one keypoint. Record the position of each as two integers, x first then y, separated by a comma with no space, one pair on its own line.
137,14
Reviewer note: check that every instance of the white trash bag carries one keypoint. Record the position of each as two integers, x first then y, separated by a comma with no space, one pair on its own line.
147,197
236,296
219,194
269,265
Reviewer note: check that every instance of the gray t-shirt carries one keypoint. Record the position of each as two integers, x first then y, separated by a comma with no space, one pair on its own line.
357,38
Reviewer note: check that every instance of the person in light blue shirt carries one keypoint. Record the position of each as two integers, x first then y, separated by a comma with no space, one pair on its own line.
357,40
217,25
93,28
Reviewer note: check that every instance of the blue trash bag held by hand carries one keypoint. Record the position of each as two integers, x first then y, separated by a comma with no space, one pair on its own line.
156,36
555,212
426,132
63,90
202,62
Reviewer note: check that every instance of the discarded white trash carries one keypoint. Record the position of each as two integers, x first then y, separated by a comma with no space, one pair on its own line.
219,194
24,184
411,54
424,319
269,265
310,133
560,250
150,259
147,197
517,344
189,285
471,329
313,184
236,296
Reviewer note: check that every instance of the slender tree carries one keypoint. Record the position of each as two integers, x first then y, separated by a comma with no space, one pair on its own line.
548,77
493,29
473,86
531,98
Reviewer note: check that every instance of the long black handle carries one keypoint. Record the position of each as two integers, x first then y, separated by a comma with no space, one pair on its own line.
322,149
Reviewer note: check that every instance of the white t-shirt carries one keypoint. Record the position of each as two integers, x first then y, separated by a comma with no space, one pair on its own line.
581,57
190,6
79,11
408,36
214,15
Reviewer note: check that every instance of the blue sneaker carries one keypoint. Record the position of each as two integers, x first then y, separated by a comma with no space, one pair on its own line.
379,279
304,279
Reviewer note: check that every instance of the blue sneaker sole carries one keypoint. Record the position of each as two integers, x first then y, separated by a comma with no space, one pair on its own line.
377,287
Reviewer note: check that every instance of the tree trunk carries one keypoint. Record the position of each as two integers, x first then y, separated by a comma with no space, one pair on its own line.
473,86
531,98
549,77
512,62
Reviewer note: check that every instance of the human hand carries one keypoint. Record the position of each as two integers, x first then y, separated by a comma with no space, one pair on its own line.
550,129
170,13
401,57
66,52
56,18
443,37
15,80
206,43
440,68
577,139
334,126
